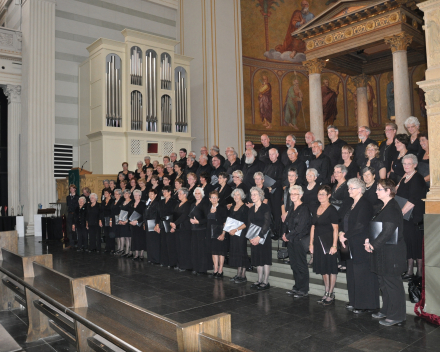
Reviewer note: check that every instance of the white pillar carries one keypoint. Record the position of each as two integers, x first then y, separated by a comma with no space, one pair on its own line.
13,93
362,99
315,67
38,107
402,97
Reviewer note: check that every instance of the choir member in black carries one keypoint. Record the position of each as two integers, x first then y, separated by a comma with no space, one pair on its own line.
324,237
294,163
396,173
155,163
412,187
179,171
250,166
121,177
224,190
138,238
412,124
79,224
160,172
168,250
205,183
112,186
137,173
204,166
263,153
340,189
106,184
388,260
166,160
123,185
178,184
364,136
149,175
287,203
362,284
217,166
234,162
259,183
92,224
147,161
310,196
181,226
155,184
166,181
387,148
124,170
106,219
296,233
200,258
261,254
290,144
349,163
370,194
372,159
306,154
191,165
143,189
248,145
86,194
72,204
237,179
215,235
170,172
334,148
321,163
132,186
275,170
152,237
192,185
238,256
116,209
423,166
125,226
130,176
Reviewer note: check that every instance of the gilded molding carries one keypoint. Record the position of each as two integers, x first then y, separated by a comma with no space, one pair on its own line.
360,81
398,42
314,65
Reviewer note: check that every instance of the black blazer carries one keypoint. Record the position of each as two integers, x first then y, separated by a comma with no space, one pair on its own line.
93,214
80,217
151,210
297,224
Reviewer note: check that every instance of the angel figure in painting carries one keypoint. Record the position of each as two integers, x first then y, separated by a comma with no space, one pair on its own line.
265,101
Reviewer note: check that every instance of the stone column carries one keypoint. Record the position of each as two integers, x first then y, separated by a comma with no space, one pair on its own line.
315,67
362,99
38,108
14,122
402,97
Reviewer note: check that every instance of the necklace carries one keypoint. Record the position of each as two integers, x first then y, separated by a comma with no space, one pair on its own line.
368,187
308,187
410,175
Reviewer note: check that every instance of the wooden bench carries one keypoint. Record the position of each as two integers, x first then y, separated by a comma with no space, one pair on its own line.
7,343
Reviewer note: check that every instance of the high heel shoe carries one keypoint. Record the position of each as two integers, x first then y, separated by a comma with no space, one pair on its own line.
219,275
320,301
255,284
331,301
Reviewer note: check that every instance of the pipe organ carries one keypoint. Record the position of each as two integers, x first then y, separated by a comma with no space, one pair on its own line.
133,101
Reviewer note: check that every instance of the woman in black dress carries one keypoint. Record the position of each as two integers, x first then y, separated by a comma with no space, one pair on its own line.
106,220
362,284
116,208
368,174
388,260
178,184
179,172
423,166
340,189
149,175
217,242
121,178
238,256
412,124
106,184
292,177
150,222
310,196
112,186
125,226
324,237
192,185
168,250
132,186
387,148
155,184
200,258
138,238
92,224
137,172
166,181
397,171
347,157
261,254
373,160
79,224
170,172
412,187
259,183
224,190
205,183
181,226
143,188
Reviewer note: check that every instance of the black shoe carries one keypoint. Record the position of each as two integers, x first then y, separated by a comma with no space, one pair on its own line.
263,287
233,278
385,322
130,255
141,258
194,272
378,315
135,258
292,292
255,284
300,294
360,311
407,277
240,280
213,274
124,255
320,301
349,306
326,302
219,275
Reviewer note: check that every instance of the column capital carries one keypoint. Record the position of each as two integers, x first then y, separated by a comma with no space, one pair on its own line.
314,65
398,42
13,93
360,81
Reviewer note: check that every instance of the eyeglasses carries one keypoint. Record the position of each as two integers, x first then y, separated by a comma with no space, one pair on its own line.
234,176
352,188
380,189
294,194
389,129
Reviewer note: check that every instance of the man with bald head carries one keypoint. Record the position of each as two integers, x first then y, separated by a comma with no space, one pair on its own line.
290,143
306,153
298,165
263,154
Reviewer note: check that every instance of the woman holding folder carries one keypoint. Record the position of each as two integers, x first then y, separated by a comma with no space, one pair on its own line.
135,219
124,230
388,256
150,218
106,221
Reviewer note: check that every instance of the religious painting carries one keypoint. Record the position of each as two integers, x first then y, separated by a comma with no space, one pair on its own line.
387,108
332,99
295,94
419,101
371,103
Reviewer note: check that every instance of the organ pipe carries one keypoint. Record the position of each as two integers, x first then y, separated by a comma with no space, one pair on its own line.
113,93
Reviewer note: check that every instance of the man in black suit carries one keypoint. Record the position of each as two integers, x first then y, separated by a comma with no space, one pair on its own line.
321,163
334,149
251,165
215,151
359,152
249,145
290,143
263,154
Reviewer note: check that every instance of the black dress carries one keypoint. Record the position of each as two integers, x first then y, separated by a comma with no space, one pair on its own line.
414,190
200,258
153,238
352,170
397,168
79,220
216,220
387,154
415,147
93,217
375,163
261,254
238,256
339,195
371,195
183,235
168,249
224,196
310,197
106,215
138,238
125,229
324,264
116,208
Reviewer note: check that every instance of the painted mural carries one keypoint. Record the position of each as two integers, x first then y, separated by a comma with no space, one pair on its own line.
276,87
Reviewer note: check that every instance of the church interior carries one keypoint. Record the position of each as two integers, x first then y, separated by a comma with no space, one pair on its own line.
87,85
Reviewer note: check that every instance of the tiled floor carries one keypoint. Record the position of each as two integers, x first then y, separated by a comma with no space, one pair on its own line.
261,321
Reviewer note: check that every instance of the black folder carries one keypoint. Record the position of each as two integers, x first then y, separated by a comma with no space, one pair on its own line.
254,231
376,229
326,243
123,215
216,231
166,221
345,252
151,224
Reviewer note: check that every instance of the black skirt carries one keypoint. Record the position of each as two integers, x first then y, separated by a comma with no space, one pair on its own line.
138,238
183,239
413,239
261,254
172,248
323,264
153,246
164,249
124,230
238,256
200,257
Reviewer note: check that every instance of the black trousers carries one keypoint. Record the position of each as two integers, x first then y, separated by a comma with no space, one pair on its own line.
362,286
393,297
82,237
70,233
109,242
95,237
298,262
164,260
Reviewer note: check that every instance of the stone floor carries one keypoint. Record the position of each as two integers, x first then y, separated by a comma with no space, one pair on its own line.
261,321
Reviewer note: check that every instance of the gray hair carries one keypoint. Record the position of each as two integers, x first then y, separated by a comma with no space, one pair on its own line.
357,183
411,120
259,191
201,190
294,149
190,158
94,195
275,150
238,173
254,153
215,148
259,174
296,188
366,128
314,171
292,136
412,157
173,153
240,192
341,167
83,199
184,190
319,143
170,164
203,156
192,152
137,192
126,191
105,181
147,157
118,191
334,127
140,161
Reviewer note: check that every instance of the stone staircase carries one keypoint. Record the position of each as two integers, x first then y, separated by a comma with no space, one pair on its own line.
281,276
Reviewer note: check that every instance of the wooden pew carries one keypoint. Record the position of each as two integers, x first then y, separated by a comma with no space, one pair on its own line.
8,344
8,240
